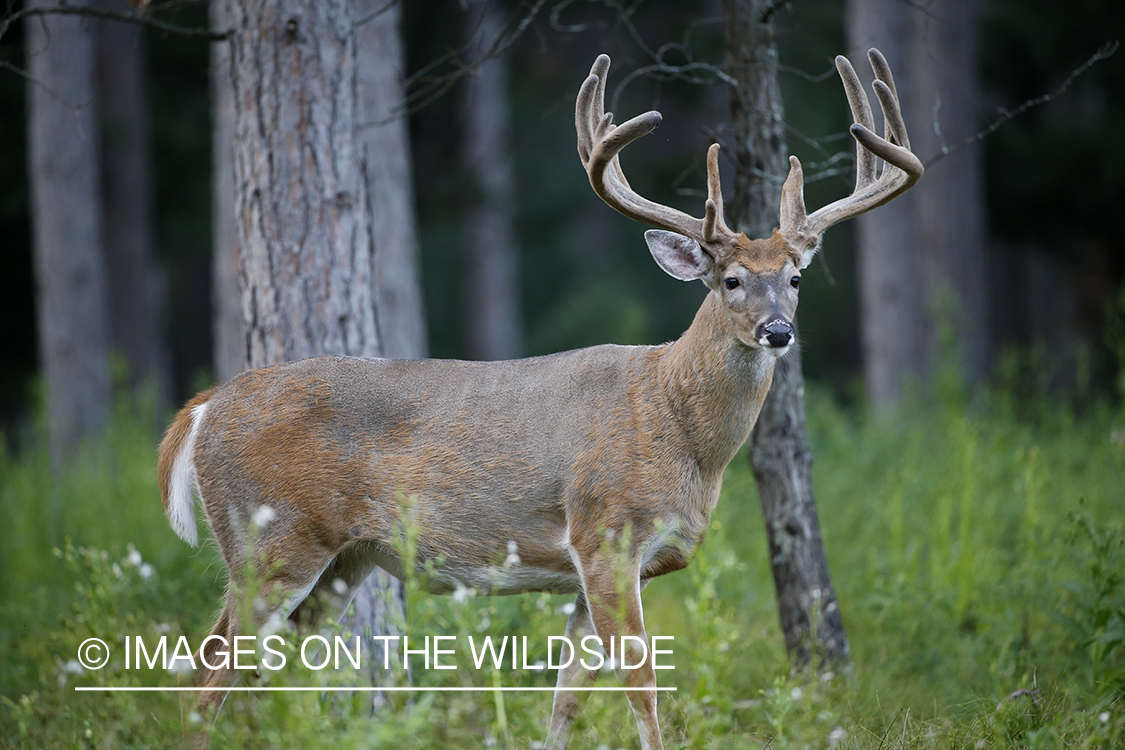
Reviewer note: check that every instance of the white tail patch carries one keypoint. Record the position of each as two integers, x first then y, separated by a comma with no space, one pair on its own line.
185,485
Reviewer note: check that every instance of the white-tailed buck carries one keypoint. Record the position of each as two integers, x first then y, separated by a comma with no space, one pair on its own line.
555,453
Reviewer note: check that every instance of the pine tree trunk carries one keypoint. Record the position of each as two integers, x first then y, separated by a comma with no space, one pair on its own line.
493,291
66,208
779,445
301,196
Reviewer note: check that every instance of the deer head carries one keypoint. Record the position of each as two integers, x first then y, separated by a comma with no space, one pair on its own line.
757,279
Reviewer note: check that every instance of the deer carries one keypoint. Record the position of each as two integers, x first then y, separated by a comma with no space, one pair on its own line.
601,466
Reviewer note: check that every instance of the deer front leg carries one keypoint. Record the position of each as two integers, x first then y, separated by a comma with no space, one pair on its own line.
614,600
568,703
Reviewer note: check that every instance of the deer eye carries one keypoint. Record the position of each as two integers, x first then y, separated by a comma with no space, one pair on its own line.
795,282
730,282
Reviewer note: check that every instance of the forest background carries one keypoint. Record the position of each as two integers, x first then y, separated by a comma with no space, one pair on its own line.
975,535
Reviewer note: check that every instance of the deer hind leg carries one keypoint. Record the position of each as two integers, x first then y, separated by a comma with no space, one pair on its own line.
614,600
568,703
336,587
276,598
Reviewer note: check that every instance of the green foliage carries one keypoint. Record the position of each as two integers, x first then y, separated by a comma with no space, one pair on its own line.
978,556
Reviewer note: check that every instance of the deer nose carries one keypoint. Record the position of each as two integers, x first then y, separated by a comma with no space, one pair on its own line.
776,333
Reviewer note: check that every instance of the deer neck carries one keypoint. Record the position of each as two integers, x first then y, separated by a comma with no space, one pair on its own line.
715,385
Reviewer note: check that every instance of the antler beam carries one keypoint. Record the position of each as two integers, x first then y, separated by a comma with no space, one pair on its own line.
600,142
901,169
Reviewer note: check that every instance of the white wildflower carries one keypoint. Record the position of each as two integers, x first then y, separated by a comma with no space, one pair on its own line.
73,667
462,593
146,571
134,557
796,694
340,586
836,736
567,609
117,570
1103,717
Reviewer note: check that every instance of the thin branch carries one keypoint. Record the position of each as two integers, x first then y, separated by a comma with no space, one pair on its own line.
185,32
430,88
1104,52
769,10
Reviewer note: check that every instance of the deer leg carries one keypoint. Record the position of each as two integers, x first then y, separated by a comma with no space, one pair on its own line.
335,588
568,703
616,611
276,599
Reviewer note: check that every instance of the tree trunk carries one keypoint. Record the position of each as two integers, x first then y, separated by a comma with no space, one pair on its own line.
67,229
921,259
951,207
892,320
390,181
136,313
229,355
779,445
301,196
493,288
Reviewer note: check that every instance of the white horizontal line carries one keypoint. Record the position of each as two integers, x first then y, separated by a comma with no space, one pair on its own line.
246,689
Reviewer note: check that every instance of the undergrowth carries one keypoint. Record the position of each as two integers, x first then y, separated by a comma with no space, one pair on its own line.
978,554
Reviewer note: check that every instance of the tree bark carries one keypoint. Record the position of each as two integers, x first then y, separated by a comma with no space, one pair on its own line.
229,352
779,446
386,136
921,259
136,313
301,196
66,207
493,288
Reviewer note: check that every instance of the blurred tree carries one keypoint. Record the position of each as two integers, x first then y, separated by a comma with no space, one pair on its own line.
136,313
66,214
779,444
921,260
229,355
493,314
390,179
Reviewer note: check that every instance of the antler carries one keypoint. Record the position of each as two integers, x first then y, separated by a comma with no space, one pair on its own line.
600,141
900,171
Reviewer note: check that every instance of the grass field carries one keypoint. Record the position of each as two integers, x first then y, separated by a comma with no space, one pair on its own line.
978,553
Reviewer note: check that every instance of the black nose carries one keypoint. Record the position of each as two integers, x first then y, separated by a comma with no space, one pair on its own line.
776,332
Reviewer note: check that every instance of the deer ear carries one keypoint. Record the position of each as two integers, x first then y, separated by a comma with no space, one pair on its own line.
681,257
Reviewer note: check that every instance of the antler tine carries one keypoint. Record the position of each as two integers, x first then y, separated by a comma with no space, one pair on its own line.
600,142
865,164
902,169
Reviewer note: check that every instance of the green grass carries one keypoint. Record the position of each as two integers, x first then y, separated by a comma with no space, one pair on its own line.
978,555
